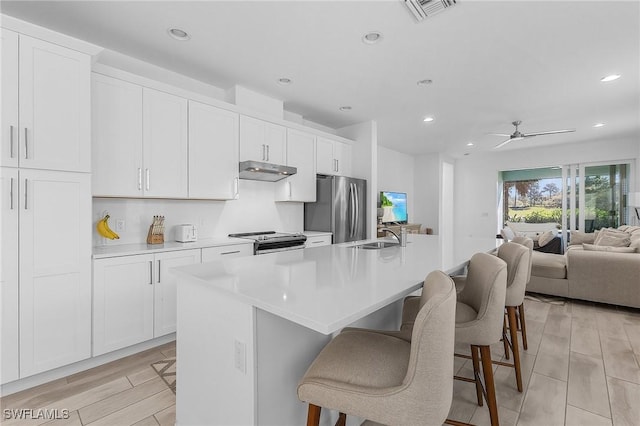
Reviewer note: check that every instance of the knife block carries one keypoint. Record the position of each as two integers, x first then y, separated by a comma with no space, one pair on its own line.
154,238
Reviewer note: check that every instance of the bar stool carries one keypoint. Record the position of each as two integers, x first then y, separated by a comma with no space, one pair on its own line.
479,321
387,379
528,243
517,258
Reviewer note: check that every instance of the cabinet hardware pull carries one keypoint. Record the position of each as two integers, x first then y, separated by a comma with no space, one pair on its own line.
11,140
26,145
158,271
150,272
289,183
11,193
316,242
26,196
148,173
267,152
139,179
337,165
229,252
264,150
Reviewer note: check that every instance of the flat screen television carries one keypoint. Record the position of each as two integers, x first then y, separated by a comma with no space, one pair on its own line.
394,207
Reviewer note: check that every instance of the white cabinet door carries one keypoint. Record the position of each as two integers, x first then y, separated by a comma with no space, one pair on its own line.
117,137
165,126
9,275
209,254
164,293
55,105
300,154
213,152
262,141
122,302
55,269
9,121
325,162
342,153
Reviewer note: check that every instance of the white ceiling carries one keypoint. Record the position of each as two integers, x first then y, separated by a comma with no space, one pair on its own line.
491,62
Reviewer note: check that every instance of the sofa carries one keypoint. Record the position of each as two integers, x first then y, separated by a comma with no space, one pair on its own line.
591,270
546,236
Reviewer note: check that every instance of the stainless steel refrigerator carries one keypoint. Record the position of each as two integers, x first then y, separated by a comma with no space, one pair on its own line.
340,208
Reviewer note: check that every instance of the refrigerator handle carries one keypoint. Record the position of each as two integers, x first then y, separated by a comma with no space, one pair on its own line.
357,205
353,210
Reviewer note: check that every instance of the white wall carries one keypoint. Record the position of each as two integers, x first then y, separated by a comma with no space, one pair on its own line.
427,191
254,211
396,173
476,177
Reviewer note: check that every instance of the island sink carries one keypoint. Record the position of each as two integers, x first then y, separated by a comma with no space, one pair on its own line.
376,245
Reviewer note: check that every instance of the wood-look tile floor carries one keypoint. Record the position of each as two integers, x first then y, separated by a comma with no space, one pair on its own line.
582,368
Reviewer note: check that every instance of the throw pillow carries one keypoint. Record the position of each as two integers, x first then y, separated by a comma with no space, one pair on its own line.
592,247
545,238
613,238
579,238
507,234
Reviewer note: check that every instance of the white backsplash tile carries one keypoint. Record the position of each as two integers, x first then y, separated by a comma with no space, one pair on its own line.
256,210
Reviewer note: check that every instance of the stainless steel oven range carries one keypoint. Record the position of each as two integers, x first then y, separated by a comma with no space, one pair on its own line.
271,241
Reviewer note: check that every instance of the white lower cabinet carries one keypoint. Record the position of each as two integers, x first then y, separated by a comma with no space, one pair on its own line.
134,298
55,269
318,241
210,254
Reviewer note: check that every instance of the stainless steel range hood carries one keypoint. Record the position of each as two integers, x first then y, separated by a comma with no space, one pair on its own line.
255,170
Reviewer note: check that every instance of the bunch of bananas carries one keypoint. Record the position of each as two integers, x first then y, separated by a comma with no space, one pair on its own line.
103,228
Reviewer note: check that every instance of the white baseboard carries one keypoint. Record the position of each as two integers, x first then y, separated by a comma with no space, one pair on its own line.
67,370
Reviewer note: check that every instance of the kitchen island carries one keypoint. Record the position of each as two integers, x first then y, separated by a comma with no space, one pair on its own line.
249,327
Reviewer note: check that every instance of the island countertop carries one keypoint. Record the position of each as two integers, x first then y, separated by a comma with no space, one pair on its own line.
328,288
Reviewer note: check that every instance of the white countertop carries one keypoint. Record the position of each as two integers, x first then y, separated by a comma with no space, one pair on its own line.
330,287
315,233
100,252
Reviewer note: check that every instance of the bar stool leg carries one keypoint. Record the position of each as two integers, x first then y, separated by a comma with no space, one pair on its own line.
487,368
475,357
313,415
505,341
513,328
523,325
342,420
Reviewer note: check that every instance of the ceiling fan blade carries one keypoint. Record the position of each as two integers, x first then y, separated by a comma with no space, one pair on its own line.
500,134
551,132
501,144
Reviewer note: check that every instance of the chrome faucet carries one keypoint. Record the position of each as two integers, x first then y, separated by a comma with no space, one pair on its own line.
402,238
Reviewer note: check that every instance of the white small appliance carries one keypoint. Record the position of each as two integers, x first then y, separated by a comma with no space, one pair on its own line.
186,233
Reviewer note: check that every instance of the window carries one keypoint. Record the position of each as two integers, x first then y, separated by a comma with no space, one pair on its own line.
532,195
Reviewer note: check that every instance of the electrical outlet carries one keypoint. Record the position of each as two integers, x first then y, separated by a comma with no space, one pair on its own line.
120,225
240,356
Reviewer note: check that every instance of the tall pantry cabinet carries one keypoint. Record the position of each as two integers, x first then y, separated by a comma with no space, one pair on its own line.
46,213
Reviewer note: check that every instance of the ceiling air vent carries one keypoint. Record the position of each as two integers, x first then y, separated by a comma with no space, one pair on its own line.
425,8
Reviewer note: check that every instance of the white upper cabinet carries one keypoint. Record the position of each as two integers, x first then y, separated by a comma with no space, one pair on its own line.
54,86
213,152
117,137
300,154
333,158
164,135
9,275
139,141
262,141
9,116
55,269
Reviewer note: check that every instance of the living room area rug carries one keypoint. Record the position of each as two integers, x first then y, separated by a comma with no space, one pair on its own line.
166,369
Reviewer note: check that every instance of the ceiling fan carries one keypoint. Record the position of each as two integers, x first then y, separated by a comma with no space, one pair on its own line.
517,135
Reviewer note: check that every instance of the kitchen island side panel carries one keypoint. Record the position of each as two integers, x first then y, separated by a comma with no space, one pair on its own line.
215,343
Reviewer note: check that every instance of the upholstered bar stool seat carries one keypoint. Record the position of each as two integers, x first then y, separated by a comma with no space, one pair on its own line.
388,379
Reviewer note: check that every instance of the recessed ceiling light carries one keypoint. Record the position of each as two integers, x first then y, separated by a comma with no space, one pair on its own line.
345,108
284,81
610,78
424,82
598,125
178,34
372,37
428,119
469,143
